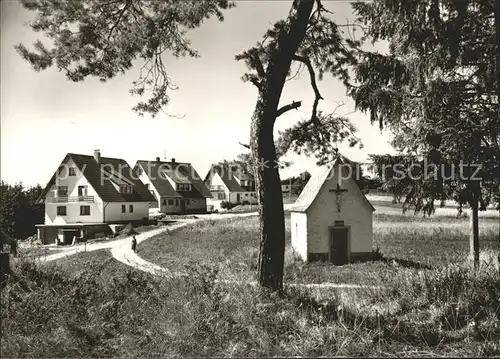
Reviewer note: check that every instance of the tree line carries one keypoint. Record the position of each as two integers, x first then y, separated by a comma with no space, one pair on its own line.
19,212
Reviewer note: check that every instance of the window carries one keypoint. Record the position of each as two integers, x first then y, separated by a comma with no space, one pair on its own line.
84,210
82,191
164,202
61,210
183,187
125,188
246,194
147,185
62,191
124,209
176,202
72,171
170,202
187,202
131,208
221,196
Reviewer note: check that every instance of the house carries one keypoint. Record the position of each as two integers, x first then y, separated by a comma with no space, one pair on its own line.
90,195
176,186
285,188
231,184
332,219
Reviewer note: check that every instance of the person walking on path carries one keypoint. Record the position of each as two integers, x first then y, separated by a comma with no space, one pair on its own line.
134,244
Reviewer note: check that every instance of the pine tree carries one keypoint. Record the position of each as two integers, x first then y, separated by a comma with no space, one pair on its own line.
437,90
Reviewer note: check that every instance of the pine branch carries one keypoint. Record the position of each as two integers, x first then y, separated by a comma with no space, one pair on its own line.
244,145
257,63
312,74
291,106
256,82
120,15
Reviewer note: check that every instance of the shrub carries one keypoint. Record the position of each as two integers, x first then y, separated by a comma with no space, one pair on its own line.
227,205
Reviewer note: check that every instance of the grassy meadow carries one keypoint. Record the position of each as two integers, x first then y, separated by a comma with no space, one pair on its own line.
402,243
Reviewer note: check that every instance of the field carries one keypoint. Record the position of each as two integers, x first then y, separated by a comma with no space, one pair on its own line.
405,243
90,305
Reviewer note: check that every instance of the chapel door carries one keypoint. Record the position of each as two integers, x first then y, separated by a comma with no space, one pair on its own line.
339,245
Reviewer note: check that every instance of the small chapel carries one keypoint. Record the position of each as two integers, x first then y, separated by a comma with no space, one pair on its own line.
332,220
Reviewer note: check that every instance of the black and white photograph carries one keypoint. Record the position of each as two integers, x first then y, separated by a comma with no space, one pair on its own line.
249,178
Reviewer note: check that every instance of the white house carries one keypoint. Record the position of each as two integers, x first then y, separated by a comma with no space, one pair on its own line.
176,186
87,194
231,184
332,219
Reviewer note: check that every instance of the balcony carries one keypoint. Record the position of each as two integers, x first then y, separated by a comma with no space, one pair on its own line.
216,188
70,199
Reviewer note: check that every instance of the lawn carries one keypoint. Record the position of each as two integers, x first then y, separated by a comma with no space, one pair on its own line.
93,306
406,244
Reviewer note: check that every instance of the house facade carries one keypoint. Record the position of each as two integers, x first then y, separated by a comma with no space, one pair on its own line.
90,194
176,186
332,220
230,184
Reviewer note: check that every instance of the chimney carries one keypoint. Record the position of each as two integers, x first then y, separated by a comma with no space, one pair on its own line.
157,159
173,160
97,156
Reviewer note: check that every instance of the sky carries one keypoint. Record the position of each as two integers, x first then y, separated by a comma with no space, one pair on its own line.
44,116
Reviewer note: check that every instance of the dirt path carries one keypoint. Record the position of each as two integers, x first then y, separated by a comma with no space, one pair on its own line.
121,248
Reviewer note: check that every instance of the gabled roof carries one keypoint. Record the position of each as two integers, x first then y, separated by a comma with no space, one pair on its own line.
101,180
314,185
178,172
229,176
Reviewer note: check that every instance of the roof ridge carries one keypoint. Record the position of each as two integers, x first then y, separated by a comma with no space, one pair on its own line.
91,156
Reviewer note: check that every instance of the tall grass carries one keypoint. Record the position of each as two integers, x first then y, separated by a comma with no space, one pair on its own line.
405,244
103,310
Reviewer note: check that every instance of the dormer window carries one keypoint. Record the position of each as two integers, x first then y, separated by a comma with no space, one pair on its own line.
125,189
183,187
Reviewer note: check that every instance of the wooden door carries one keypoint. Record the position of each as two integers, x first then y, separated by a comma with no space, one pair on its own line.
183,206
339,245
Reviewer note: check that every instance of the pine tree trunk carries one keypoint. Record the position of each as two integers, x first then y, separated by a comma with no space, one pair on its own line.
272,216
267,180
474,234
497,60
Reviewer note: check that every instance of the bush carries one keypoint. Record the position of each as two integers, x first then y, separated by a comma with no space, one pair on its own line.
227,205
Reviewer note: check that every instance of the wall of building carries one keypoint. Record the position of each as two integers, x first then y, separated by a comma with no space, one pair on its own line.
244,197
72,208
113,211
197,205
298,228
355,213
173,205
